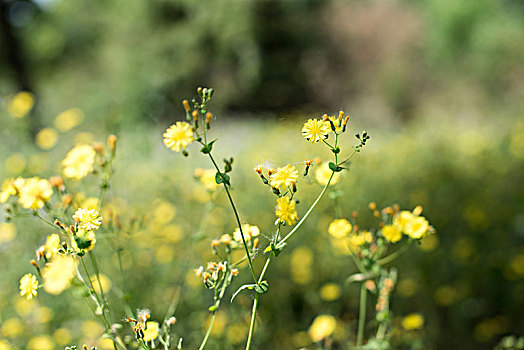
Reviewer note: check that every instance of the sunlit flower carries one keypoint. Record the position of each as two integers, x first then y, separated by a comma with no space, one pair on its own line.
28,286
46,138
11,187
78,163
178,136
392,233
339,228
58,274
284,177
151,331
35,193
250,231
323,173
322,327
88,219
413,321
360,238
52,245
315,130
286,211
411,225
20,104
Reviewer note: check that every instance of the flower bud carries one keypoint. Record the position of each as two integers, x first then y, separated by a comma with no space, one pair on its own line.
186,105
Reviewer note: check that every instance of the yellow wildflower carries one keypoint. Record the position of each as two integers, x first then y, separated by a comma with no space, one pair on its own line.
58,274
284,177
28,286
151,331
83,239
41,342
35,193
286,210
359,239
250,231
69,119
413,321
20,104
207,178
337,122
323,173
88,219
392,233
52,245
339,228
4,345
46,138
11,187
78,163
178,136
7,232
322,327
315,130
411,225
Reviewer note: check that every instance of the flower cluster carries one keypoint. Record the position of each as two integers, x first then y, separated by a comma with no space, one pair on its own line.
32,193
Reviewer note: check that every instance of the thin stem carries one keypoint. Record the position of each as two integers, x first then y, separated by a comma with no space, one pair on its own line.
252,325
362,314
35,213
238,221
108,324
281,243
394,255
209,328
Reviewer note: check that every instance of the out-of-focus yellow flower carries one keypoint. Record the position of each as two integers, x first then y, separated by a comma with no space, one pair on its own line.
104,281
20,104
7,232
407,287
322,327
323,173
360,238
301,263
11,328
84,138
178,136
286,210
35,193
28,286
90,203
163,211
330,292
284,177
207,178
412,225
11,187
25,307
78,163
15,163
43,314
413,321
339,228
58,274
83,239
52,244
68,119
151,331
4,345
236,333
446,295
429,243
316,130
88,219
250,231
41,342
91,328
106,344
46,138
392,233
164,254
62,336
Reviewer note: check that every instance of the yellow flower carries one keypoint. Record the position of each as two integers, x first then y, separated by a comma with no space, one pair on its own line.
151,331
286,210
78,163
35,193
41,342
323,173
7,232
359,239
88,219
20,104
339,228
83,240
11,187
178,136
4,345
411,225
207,178
28,286
337,122
69,119
249,232
413,321
283,177
315,130
46,138
392,233
322,327
52,245
58,274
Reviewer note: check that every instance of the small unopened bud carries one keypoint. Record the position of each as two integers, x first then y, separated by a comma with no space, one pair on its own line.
208,117
356,228
67,199
372,206
172,320
340,114
370,285
325,117
294,187
234,272
226,239
376,213
255,243
258,169
417,211
57,182
111,141
194,114
99,148
396,207
186,105
215,243
199,271
354,214
199,91
270,171
32,262
40,252
59,224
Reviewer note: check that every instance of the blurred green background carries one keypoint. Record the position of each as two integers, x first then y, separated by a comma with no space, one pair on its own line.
439,85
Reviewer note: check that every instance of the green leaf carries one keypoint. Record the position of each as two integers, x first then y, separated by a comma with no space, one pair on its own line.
241,288
208,148
335,168
335,150
222,178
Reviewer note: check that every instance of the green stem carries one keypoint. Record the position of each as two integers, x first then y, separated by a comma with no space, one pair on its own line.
107,323
209,328
97,272
35,213
362,314
252,325
394,255
238,221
